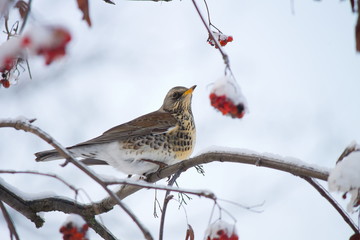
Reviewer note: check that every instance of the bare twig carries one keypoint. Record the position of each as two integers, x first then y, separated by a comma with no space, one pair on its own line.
167,198
169,187
217,44
43,174
25,17
100,229
333,202
110,2
11,226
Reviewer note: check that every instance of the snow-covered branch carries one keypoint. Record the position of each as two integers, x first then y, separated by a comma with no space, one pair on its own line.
31,208
25,125
290,165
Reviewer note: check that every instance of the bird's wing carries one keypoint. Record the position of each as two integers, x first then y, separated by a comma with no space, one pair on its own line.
152,123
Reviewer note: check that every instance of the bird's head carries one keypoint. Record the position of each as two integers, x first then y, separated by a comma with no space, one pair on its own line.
178,99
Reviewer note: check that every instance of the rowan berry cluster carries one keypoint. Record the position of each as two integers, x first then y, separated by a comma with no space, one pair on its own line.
222,39
226,97
226,106
221,230
47,41
71,232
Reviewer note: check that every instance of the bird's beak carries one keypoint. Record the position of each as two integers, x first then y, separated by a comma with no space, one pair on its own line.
189,91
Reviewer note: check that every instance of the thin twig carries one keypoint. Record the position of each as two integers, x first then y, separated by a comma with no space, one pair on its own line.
10,223
333,202
100,228
146,185
167,198
260,160
217,44
25,17
42,174
208,15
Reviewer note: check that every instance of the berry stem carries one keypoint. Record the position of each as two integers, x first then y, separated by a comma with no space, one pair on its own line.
217,44
25,17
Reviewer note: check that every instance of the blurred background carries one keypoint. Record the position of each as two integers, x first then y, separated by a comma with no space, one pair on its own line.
294,60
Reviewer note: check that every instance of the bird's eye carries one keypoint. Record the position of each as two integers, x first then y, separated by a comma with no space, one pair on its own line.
175,95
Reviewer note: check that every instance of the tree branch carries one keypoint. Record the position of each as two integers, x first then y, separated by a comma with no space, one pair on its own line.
333,202
25,125
167,198
43,174
30,208
217,44
297,169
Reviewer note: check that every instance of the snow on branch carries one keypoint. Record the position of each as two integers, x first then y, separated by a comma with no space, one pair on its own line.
31,208
25,125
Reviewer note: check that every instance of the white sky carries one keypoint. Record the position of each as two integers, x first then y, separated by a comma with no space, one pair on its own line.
299,72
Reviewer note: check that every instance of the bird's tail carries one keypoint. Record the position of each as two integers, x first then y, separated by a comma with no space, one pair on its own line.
48,155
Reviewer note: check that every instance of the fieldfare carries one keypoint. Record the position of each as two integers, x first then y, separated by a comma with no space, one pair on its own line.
141,146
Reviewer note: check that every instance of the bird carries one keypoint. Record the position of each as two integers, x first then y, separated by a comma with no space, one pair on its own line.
144,144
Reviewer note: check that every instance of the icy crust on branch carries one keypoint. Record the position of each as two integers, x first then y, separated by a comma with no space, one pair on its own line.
221,230
32,196
18,119
272,156
345,177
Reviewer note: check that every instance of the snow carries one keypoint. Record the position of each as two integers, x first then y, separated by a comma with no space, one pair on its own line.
212,230
19,118
11,48
75,220
41,37
345,177
113,75
31,196
230,88
272,156
4,7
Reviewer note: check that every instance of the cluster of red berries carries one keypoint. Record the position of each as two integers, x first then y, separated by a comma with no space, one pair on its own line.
226,106
5,67
222,38
223,236
49,42
54,48
70,232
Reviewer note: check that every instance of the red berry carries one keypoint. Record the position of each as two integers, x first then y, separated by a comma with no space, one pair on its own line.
26,41
5,83
8,64
223,42
226,106
229,39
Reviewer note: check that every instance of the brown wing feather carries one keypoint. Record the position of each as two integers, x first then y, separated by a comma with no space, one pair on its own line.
155,122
